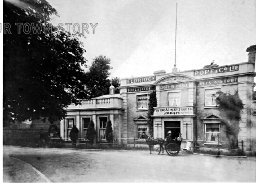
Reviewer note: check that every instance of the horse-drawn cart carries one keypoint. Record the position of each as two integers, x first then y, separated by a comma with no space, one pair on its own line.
172,147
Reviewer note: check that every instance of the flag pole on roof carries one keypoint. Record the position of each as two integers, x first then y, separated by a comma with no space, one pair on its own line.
174,69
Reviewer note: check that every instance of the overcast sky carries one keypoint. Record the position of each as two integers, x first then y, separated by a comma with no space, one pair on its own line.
138,35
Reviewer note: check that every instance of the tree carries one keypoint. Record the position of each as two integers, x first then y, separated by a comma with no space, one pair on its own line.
42,69
116,83
151,105
230,107
109,132
91,132
97,82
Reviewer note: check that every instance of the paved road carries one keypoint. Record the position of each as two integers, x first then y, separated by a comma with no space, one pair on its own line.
71,165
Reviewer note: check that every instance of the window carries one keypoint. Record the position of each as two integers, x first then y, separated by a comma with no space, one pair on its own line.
85,124
212,131
210,97
69,126
102,128
174,99
142,101
142,132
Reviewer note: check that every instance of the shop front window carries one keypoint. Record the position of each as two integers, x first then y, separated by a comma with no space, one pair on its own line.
212,132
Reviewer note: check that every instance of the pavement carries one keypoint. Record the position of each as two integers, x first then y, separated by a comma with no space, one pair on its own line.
42,165
16,170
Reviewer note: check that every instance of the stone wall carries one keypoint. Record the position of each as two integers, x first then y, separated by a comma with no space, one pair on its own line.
21,137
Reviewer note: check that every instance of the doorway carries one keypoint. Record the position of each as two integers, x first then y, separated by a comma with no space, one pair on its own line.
173,126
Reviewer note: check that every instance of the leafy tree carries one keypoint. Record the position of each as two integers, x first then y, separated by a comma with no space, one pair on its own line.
91,132
42,70
151,105
230,107
109,132
116,83
97,82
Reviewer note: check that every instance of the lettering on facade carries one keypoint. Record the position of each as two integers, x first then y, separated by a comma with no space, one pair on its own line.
175,79
171,111
222,69
219,81
141,79
174,86
139,89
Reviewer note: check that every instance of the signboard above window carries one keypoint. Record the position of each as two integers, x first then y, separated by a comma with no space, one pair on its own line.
222,69
173,111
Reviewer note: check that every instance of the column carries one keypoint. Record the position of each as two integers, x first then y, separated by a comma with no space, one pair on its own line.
62,129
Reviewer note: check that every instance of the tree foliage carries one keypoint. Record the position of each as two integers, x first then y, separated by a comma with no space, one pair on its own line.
42,71
151,105
230,107
116,83
97,78
231,104
109,132
91,132
97,82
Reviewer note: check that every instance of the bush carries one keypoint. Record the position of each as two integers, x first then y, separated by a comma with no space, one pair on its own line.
91,132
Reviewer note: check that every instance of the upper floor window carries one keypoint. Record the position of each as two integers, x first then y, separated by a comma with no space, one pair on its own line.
210,97
142,101
174,99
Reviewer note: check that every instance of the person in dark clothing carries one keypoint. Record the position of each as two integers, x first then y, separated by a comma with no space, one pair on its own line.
168,137
74,135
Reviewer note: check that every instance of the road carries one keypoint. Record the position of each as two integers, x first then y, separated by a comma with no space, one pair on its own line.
23,164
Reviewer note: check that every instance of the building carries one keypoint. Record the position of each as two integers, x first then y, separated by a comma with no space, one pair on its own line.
185,104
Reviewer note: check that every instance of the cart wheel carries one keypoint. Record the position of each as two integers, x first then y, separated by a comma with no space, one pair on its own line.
172,149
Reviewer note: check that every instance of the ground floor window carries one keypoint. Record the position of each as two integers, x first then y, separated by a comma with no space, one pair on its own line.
142,132
69,125
84,127
212,131
102,127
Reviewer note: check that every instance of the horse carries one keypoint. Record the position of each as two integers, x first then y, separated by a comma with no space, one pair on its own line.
158,141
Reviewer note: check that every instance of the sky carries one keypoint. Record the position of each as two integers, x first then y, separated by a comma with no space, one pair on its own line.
139,35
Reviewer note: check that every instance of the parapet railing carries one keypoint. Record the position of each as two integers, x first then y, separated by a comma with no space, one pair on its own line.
112,102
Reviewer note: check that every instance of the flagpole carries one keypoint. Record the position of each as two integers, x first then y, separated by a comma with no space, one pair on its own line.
176,35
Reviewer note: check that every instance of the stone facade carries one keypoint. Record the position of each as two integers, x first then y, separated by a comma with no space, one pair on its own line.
185,105
100,110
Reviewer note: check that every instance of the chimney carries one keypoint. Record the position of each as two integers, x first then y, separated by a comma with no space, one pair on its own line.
111,89
251,53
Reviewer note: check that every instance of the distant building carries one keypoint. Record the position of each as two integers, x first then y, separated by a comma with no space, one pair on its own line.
185,104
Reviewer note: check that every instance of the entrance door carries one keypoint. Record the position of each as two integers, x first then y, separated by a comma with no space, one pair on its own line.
173,126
